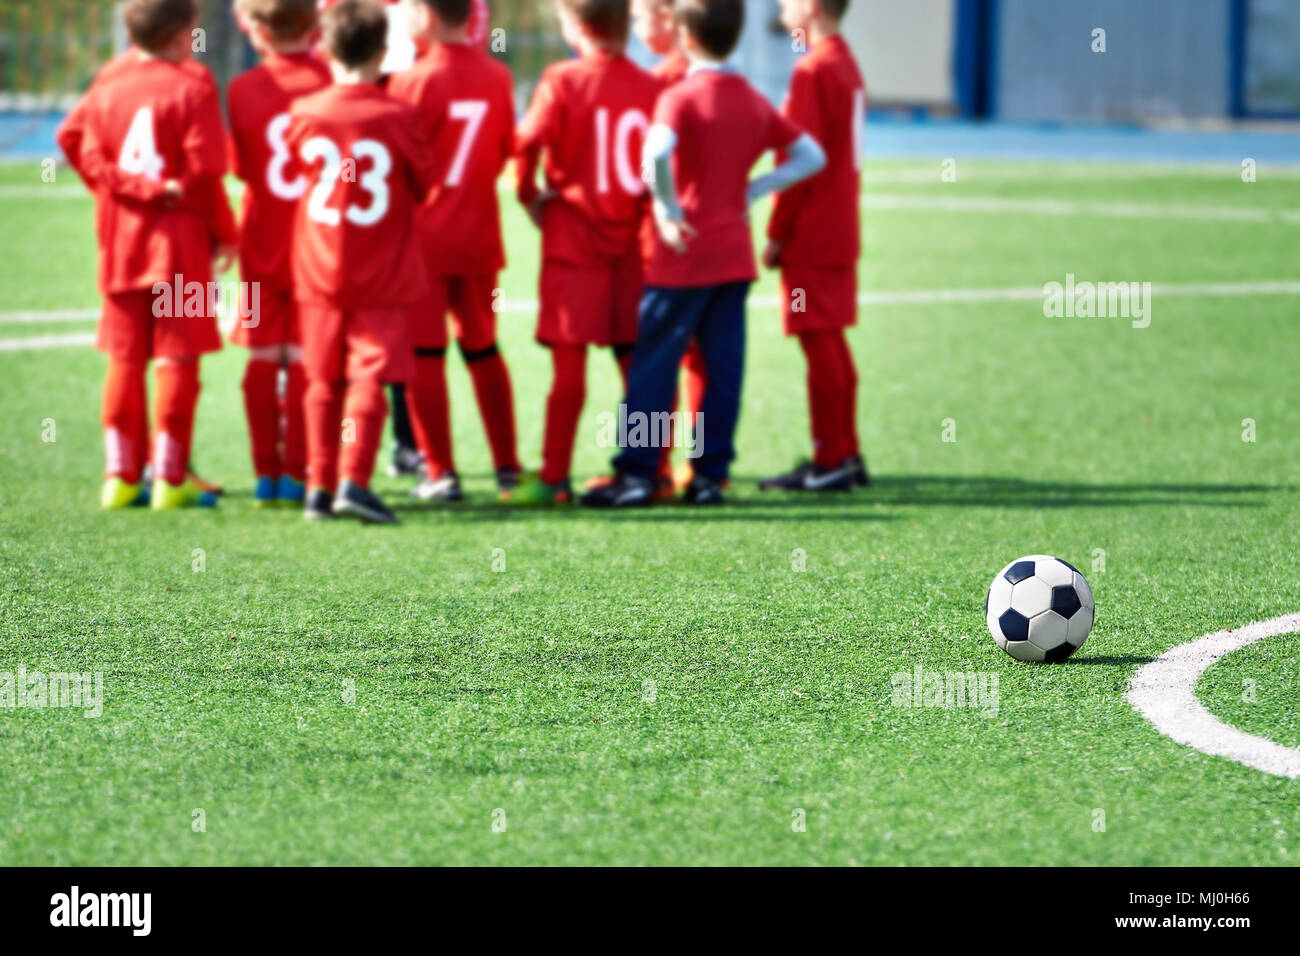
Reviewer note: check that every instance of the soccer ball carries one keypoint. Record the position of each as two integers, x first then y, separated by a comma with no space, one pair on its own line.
1040,609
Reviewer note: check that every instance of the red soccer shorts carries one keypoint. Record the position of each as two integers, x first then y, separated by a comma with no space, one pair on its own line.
129,331
273,319
819,300
590,304
338,345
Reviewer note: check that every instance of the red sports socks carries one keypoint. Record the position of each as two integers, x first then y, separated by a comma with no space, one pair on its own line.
832,396
276,429
125,418
496,403
176,397
430,409
563,410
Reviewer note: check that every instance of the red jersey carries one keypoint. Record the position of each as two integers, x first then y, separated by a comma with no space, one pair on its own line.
144,122
590,117
213,204
723,126
465,102
354,240
819,219
259,103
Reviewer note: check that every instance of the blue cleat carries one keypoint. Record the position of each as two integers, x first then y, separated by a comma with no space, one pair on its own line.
292,493
267,492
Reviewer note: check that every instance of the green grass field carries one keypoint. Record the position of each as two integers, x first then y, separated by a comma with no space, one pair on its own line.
666,687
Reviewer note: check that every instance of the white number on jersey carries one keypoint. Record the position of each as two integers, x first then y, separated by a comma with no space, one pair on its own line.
632,121
281,188
472,113
139,150
374,182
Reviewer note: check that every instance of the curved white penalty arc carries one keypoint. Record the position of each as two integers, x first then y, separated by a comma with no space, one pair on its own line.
1164,692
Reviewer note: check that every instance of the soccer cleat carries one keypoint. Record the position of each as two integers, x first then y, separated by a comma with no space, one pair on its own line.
861,477
508,480
291,492
625,491
703,491
665,488
532,492
166,497
443,488
810,476
118,494
407,463
353,501
206,487
266,492
795,480
319,505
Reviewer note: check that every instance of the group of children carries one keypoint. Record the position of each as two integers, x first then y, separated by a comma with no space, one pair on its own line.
371,214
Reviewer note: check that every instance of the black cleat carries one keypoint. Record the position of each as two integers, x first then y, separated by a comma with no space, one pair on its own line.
812,477
319,505
407,463
507,481
625,491
794,481
861,477
353,501
703,491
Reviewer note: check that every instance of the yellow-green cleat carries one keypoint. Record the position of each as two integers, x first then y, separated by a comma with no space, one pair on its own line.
186,495
532,492
118,494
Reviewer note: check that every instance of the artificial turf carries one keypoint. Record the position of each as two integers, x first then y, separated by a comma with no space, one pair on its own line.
483,685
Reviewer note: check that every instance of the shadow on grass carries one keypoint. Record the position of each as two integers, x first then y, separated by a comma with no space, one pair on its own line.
748,504
1110,660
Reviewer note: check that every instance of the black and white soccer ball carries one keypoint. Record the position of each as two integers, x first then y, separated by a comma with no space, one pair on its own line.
1040,609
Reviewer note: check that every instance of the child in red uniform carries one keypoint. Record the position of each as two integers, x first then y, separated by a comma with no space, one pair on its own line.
357,268
589,118
148,139
657,29
709,130
259,100
465,102
815,240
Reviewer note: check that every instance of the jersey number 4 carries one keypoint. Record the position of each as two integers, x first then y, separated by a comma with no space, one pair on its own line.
374,181
139,154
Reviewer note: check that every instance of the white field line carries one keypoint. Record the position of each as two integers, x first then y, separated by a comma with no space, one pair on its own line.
865,299
1164,692
1069,207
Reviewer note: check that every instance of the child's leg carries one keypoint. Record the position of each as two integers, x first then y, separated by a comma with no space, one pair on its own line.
126,420
262,408
826,394
668,317
429,406
323,411
366,406
694,376
471,303
851,447
721,334
294,460
563,411
174,403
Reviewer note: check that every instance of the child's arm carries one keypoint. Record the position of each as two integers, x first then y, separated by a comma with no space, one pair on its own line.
804,159
530,140
802,109
657,157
